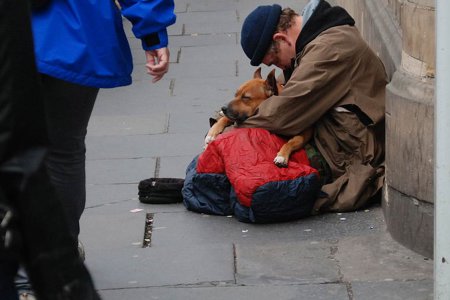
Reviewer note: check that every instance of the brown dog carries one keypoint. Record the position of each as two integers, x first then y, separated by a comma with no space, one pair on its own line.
245,103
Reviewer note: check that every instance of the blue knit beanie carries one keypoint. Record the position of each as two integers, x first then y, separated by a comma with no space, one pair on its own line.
257,31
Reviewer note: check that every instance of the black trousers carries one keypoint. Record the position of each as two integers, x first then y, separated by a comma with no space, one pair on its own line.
68,108
28,203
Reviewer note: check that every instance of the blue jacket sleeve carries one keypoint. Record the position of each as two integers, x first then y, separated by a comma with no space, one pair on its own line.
150,19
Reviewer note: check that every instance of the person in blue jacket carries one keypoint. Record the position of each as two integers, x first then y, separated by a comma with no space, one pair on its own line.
80,47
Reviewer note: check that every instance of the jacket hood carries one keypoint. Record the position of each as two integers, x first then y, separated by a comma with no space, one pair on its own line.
324,17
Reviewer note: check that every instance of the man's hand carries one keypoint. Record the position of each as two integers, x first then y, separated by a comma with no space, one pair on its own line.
157,63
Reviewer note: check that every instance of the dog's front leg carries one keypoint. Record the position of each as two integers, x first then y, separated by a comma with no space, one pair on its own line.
217,129
294,144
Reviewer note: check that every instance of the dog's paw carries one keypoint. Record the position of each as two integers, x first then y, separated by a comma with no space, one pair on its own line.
209,139
280,161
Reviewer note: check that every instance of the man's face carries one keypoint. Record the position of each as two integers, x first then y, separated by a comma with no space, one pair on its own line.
282,57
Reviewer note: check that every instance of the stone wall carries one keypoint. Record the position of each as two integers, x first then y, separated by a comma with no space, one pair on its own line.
402,33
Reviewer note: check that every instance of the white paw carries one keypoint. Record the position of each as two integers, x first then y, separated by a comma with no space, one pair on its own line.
209,139
280,161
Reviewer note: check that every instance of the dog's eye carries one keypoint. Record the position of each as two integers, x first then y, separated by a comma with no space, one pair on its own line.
245,98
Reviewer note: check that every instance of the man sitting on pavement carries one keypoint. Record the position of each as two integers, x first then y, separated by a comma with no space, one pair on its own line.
333,82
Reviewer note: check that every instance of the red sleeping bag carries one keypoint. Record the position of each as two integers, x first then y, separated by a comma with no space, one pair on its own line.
246,156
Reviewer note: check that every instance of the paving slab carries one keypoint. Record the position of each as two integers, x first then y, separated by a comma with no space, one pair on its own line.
135,208
395,290
199,123
380,258
142,267
245,7
181,6
316,292
217,55
216,27
119,261
212,6
195,40
191,227
285,263
102,194
119,171
195,70
138,146
203,91
141,95
128,124
206,16
174,167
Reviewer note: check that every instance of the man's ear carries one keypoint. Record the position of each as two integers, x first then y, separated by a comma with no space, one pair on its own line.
271,82
281,36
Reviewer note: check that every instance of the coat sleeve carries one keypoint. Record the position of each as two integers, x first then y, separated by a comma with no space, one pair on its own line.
317,84
150,20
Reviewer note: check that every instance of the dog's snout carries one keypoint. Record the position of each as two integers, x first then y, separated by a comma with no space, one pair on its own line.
224,109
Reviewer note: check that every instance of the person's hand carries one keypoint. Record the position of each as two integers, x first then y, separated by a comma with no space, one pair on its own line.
157,62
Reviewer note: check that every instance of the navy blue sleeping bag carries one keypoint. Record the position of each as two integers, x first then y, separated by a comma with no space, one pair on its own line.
236,175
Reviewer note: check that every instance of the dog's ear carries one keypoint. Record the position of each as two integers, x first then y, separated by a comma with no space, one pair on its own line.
257,73
271,82
212,121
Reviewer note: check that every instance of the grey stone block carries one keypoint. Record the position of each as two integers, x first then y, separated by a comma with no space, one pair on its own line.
195,228
245,7
138,146
119,261
199,121
285,263
409,150
196,40
175,29
195,70
131,204
155,266
205,17
140,93
119,171
181,6
212,55
221,292
128,125
99,195
212,6
409,136
378,258
209,89
394,290
215,27
415,227
174,166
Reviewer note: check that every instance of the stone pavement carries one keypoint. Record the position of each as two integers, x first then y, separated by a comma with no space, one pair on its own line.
147,130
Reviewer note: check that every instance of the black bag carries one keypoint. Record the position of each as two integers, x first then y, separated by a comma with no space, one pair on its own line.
160,190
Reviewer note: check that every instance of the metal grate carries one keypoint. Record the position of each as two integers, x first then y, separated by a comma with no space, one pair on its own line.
148,230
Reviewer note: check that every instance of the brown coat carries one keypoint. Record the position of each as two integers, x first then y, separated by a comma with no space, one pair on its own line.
336,69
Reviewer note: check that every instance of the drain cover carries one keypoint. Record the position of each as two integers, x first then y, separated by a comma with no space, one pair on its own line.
148,230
